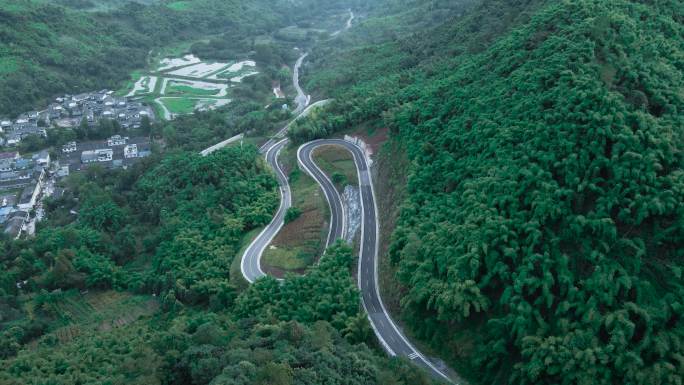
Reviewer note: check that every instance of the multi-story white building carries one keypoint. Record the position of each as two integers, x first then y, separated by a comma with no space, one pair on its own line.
69,148
99,155
131,151
117,140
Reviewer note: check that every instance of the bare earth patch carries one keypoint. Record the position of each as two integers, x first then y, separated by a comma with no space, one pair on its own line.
299,243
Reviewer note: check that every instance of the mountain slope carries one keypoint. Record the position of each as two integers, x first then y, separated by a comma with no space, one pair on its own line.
548,199
541,241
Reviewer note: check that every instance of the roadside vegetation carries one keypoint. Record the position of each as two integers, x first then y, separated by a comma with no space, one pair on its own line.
134,277
131,283
540,238
338,164
302,239
536,236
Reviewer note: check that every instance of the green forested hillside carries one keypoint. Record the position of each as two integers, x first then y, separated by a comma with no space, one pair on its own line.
541,240
168,231
166,227
270,344
131,278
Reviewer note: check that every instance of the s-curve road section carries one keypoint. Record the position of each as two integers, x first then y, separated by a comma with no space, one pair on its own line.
251,259
390,336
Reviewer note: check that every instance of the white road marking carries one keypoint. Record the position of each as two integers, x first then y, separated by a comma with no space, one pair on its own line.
368,248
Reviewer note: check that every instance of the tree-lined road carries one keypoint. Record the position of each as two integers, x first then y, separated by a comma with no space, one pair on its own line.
251,259
347,25
302,101
389,335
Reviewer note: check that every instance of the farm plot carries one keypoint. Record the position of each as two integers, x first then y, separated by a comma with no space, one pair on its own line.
173,106
199,70
175,87
144,85
100,311
186,84
238,79
235,70
170,63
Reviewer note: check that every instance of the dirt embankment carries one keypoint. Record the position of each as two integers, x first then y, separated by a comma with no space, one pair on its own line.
389,177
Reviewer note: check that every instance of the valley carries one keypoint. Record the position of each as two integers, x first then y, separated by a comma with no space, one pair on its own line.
402,192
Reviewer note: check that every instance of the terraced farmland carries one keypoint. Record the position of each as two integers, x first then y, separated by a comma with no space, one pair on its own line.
182,85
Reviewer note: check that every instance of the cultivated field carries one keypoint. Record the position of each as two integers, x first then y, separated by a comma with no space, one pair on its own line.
182,85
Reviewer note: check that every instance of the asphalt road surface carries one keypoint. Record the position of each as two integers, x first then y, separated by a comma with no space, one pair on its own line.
390,336
251,259
302,101
347,25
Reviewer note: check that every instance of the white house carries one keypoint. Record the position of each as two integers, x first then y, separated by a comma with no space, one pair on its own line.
42,158
117,140
29,196
99,155
131,151
69,147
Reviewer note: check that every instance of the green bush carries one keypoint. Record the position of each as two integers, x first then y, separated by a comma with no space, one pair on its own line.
292,214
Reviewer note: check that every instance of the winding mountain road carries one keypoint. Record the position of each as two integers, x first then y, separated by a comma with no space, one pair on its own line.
347,25
302,99
251,258
302,109
390,336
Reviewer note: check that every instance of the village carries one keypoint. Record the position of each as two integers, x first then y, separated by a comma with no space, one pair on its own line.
70,111
27,179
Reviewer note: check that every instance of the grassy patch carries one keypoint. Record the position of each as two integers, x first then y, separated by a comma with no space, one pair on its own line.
130,83
292,33
11,192
182,89
300,242
150,100
180,5
287,258
225,74
257,140
263,39
158,86
75,313
134,77
179,105
335,160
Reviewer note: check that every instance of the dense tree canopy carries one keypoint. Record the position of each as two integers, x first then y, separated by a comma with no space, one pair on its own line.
169,229
541,239
539,242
